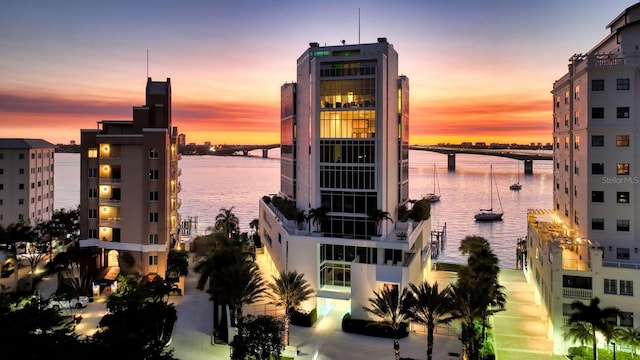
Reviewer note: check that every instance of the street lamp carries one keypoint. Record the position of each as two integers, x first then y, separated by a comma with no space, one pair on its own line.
614,350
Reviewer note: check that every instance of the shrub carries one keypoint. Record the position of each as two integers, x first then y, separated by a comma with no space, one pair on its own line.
372,328
303,318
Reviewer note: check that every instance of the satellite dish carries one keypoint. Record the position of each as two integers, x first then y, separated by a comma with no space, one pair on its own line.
343,42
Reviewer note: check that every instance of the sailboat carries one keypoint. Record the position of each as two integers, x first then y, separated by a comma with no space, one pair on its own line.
517,186
434,196
489,214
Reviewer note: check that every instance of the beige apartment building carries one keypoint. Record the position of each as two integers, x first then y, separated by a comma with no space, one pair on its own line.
345,148
129,187
26,180
586,246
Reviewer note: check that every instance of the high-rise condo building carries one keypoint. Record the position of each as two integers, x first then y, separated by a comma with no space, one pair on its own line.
26,180
587,245
129,187
345,165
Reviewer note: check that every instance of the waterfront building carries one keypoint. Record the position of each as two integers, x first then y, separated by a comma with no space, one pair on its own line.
129,186
345,158
26,180
587,245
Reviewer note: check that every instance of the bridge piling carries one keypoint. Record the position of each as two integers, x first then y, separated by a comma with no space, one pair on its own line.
451,162
528,167
265,153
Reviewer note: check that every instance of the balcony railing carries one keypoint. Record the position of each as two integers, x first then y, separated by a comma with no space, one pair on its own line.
109,202
621,265
109,180
579,294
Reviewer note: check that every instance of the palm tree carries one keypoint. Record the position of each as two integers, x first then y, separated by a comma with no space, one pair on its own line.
377,217
228,222
578,332
466,305
629,337
598,318
428,306
318,216
289,290
387,304
237,284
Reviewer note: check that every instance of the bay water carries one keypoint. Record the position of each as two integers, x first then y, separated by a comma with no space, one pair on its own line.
210,183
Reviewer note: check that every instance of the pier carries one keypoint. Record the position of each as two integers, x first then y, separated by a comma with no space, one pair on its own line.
438,238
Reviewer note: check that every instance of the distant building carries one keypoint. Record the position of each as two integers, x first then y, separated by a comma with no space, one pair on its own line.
587,245
182,140
345,155
129,186
26,180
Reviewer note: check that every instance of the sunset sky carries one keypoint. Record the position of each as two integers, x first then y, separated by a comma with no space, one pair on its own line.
479,70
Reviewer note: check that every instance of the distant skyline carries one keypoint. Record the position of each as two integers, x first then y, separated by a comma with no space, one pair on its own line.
478,70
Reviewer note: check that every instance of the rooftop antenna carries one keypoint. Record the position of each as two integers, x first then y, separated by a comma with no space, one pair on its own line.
358,26
147,63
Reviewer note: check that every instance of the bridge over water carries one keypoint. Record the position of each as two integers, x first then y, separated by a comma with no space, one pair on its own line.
227,150
527,156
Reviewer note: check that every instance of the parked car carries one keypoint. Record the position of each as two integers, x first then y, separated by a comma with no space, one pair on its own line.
57,302
7,270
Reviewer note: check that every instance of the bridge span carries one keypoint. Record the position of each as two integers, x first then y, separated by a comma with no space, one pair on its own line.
527,156
228,150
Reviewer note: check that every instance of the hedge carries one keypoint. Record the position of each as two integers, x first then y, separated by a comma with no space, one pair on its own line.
303,318
372,328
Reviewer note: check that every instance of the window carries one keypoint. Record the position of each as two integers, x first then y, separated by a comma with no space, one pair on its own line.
622,225
153,217
20,186
21,156
1,171
153,238
1,186
92,153
597,113
622,253
597,85
626,318
153,260
626,287
610,286
622,197
20,217
622,112
93,213
20,201
93,233
622,140
1,201
597,168
153,154
597,196
33,185
93,193
153,196
153,174
1,156
576,93
622,84
576,142
93,172
21,171
622,169
597,224
597,140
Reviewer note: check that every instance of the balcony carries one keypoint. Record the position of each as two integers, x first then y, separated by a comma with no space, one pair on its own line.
110,202
110,181
578,294
110,222
620,265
